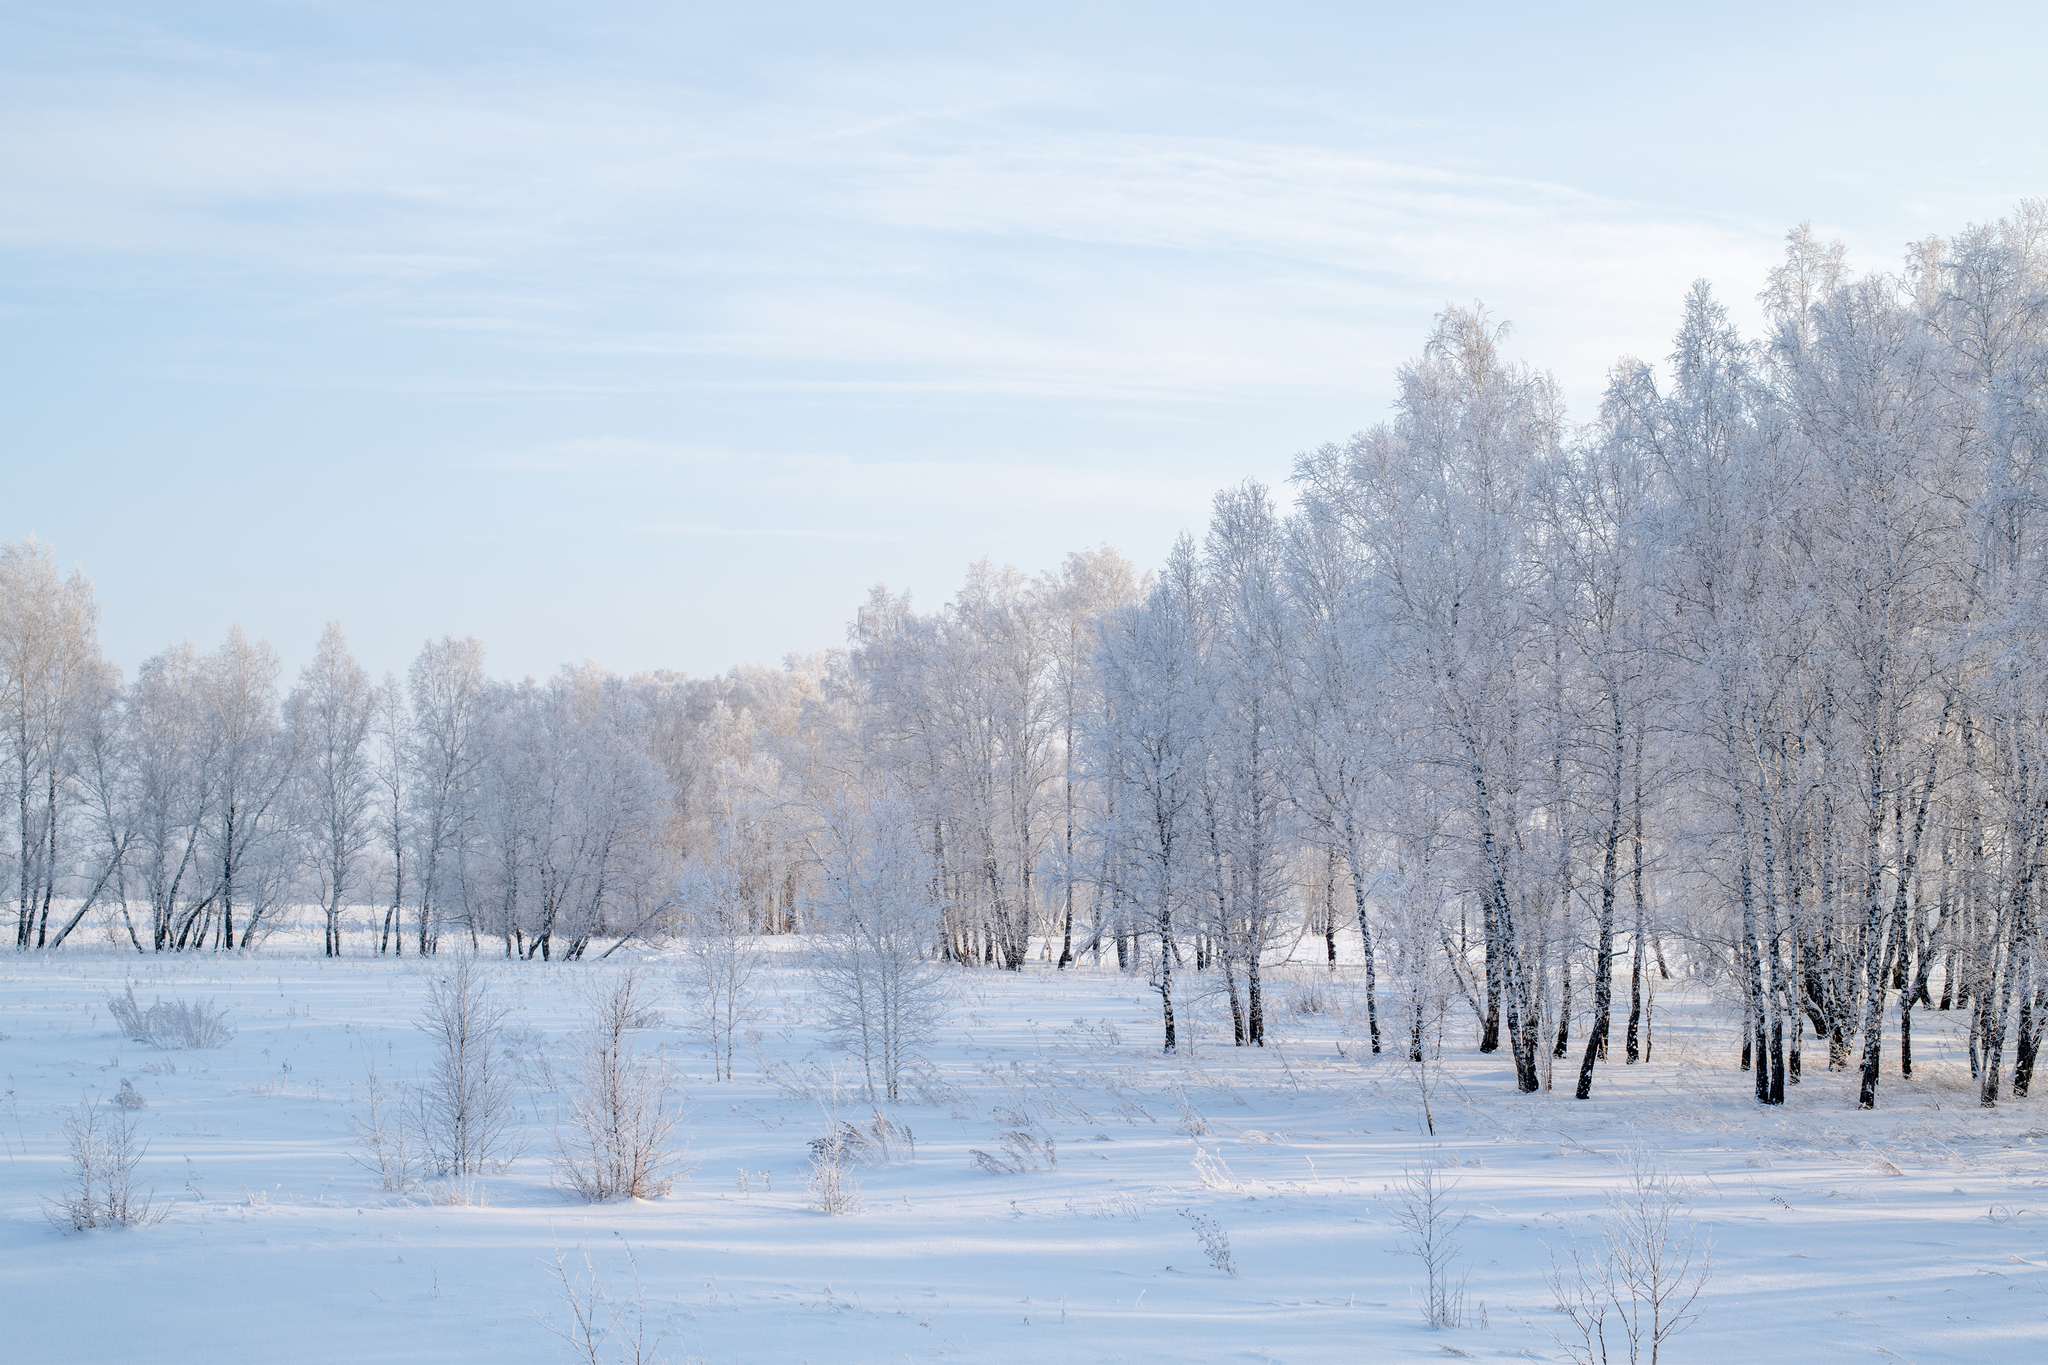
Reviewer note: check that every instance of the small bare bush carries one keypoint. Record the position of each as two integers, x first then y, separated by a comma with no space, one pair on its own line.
620,1138
171,1024
99,1188
833,1190
383,1129
1626,1299
468,1192
600,1326
1119,1205
1425,1214
1102,1034
130,1097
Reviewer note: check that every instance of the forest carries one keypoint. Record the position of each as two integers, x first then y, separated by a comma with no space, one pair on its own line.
1736,681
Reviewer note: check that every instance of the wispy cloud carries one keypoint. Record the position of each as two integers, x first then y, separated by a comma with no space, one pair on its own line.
603,455
910,240
701,529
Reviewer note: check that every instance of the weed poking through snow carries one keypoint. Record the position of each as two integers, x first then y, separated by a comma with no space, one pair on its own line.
1215,1242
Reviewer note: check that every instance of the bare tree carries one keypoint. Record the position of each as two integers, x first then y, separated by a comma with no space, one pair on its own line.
1624,1301
104,771
959,707
331,712
392,732
1425,1213
171,789
875,933
463,1110
450,705
1244,811
100,1187
49,663
619,1140
721,960
1089,584
568,815
257,759
1146,744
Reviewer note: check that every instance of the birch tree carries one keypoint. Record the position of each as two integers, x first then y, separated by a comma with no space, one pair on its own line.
50,667
449,694
331,714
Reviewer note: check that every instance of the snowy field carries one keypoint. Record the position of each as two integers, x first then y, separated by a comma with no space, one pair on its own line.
1913,1233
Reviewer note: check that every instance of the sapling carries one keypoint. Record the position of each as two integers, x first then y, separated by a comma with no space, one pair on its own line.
99,1188
383,1128
873,919
464,1110
1424,1057
720,961
1425,1214
1626,1299
601,1327
620,1138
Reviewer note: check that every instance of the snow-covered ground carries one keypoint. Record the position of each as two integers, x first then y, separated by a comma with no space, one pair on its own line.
1914,1233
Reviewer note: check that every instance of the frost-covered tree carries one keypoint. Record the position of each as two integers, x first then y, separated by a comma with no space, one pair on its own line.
1245,828
391,738
1147,744
874,930
247,842
51,672
331,713
450,708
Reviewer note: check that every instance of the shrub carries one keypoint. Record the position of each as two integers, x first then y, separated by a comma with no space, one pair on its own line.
100,1185
171,1023
620,1140
383,1128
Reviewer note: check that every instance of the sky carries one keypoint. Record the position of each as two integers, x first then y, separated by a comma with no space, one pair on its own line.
655,334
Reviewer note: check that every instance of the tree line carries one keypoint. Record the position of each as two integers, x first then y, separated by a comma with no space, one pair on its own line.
1742,678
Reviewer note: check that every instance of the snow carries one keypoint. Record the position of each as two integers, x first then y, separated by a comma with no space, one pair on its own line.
280,1245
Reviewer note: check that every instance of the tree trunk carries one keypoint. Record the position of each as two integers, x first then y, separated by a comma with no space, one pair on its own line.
1372,1009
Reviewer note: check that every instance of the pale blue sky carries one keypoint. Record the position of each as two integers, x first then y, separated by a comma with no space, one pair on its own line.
655,334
